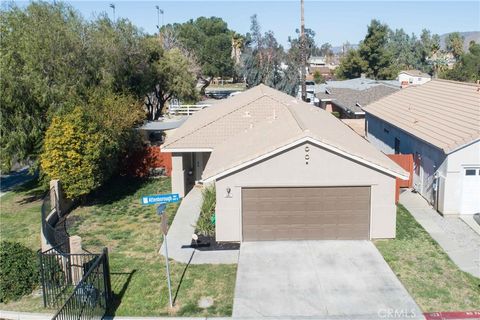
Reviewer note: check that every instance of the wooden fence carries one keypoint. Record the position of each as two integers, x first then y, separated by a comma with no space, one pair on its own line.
406,162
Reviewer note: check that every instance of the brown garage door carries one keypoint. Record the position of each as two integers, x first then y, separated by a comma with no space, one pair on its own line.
305,213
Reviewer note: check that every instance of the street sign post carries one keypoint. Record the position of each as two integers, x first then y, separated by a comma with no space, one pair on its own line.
161,212
160,198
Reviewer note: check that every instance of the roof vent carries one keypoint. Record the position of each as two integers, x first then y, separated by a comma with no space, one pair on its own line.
247,114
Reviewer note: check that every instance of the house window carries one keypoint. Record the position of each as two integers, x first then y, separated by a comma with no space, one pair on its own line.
470,172
410,80
397,146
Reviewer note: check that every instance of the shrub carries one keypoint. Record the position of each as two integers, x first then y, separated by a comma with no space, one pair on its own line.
317,77
18,271
206,221
84,147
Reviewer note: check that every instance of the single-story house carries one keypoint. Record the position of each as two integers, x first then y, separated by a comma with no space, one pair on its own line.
285,170
413,77
348,102
439,124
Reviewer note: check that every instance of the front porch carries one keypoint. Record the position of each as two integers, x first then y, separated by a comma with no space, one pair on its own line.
187,170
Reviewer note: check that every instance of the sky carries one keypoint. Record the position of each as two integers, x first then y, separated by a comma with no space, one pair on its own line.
333,21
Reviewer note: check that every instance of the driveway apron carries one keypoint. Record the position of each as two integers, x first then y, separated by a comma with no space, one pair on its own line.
322,279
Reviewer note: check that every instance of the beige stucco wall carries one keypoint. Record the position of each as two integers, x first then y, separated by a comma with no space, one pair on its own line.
290,169
451,197
178,174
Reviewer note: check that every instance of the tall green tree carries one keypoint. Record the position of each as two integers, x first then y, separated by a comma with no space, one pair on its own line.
265,61
467,67
373,49
352,65
43,70
326,50
454,44
210,40
173,79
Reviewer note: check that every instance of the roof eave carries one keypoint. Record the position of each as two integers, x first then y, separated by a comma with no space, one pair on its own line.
180,150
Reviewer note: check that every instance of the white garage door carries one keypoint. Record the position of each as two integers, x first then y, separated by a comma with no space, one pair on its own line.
470,191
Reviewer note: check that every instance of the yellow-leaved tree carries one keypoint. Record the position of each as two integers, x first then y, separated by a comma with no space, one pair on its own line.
84,147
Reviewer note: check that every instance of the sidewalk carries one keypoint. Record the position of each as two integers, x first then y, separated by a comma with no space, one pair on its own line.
458,240
15,315
180,234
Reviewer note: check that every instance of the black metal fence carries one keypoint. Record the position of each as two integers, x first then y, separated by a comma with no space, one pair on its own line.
91,295
78,284
60,273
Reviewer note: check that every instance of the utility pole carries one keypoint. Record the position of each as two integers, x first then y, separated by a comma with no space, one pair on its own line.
302,51
113,7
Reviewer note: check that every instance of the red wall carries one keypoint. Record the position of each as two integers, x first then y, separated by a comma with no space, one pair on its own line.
140,163
406,162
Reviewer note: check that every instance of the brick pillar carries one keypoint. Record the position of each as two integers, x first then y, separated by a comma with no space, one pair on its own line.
76,270
58,198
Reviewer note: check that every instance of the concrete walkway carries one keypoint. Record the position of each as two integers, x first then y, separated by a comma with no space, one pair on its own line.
460,242
180,235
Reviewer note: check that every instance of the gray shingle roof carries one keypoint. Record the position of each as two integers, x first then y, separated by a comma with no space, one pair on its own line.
352,100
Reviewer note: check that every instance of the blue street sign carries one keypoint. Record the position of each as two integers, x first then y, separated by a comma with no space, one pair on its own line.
160,198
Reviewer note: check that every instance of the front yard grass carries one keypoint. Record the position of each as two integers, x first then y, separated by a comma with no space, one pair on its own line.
113,217
426,271
20,214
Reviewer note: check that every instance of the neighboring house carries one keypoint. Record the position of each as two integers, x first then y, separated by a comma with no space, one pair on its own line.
348,102
315,62
284,169
413,77
439,123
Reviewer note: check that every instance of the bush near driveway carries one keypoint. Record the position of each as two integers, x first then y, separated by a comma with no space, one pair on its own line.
206,223
426,271
18,271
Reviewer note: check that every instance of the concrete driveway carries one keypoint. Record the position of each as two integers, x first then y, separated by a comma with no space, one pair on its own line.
320,279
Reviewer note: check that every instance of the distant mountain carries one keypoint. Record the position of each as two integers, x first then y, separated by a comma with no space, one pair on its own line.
468,36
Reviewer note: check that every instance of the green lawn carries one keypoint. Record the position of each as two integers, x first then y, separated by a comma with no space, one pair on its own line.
426,271
20,215
114,217
132,234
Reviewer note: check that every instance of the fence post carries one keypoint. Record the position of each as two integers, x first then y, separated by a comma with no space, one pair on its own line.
44,296
106,277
